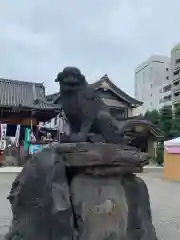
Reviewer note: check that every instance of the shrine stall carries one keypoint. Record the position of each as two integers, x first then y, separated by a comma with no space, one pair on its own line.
23,106
172,159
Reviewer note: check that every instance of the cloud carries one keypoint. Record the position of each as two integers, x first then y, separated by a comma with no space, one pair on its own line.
39,38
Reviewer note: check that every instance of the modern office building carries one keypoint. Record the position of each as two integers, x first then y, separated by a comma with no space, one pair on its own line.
175,65
153,83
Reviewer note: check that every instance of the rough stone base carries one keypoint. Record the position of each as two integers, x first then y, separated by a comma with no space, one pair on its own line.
53,201
100,207
139,218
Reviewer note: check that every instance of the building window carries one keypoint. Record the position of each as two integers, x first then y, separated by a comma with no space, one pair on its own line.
176,83
119,113
177,50
167,78
167,69
176,94
177,60
176,72
167,98
167,88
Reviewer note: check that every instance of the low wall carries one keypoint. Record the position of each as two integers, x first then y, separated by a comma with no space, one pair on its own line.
18,169
148,169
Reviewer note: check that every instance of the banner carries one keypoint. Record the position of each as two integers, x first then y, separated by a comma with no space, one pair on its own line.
17,135
3,136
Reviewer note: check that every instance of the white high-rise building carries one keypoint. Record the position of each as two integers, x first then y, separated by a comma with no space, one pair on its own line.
175,66
153,83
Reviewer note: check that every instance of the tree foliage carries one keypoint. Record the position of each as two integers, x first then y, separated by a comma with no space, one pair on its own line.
176,122
153,117
168,122
160,154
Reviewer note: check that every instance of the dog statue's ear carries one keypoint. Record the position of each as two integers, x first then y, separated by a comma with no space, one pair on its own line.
82,77
56,79
59,77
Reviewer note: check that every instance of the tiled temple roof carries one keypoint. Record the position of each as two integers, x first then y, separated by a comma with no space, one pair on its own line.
106,82
15,93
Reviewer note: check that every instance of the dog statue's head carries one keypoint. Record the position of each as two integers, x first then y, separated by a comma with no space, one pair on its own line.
70,79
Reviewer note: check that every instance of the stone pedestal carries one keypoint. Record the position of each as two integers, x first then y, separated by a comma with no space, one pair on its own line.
82,191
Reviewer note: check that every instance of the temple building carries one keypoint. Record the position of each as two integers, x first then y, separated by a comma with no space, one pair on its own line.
24,103
21,102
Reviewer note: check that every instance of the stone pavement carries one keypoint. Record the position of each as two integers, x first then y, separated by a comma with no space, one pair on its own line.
5,211
165,203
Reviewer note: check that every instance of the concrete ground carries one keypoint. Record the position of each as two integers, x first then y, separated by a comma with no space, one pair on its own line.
6,180
165,203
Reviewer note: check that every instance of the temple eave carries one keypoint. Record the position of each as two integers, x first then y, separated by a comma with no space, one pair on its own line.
25,113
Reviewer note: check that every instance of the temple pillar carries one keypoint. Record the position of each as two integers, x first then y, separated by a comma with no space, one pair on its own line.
151,148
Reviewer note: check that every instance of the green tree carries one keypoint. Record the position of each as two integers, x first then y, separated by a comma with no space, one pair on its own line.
162,119
166,126
176,122
160,154
153,116
166,122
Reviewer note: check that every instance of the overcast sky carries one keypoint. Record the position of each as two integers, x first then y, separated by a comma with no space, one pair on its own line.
39,37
